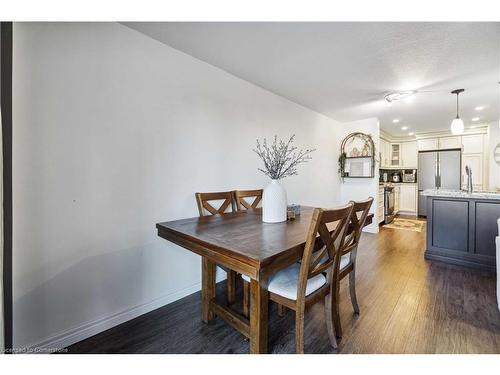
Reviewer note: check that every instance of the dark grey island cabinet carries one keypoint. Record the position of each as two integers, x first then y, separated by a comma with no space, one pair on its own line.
462,227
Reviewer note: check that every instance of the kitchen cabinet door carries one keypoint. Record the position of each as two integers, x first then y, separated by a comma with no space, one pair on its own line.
475,161
397,197
408,198
388,154
450,142
472,144
409,155
428,144
395,155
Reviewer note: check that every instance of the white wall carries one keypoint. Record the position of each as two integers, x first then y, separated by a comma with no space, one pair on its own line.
113,133
362,188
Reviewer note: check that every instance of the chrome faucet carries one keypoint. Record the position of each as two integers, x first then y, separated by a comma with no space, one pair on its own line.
468,171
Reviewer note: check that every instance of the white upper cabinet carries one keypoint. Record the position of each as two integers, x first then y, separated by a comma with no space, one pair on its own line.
449,142
387,154
472,144
428,144
475,162
384,154
409,155
398,155
395,155
441,143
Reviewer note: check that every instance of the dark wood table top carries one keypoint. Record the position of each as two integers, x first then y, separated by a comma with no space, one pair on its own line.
243,235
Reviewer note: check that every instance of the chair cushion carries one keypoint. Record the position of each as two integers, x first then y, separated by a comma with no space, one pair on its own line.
285,282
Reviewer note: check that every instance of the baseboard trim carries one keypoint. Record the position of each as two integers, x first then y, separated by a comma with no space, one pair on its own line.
73,335
429,255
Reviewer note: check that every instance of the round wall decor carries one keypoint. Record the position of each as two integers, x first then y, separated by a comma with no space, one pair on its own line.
496,154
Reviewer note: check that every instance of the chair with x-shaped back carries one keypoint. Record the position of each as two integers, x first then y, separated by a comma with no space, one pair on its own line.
240,198
347,262
206,207
303,284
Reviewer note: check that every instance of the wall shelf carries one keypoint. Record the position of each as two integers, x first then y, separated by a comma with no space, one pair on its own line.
353,165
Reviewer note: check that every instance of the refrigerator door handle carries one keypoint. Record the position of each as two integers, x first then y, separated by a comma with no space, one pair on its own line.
439,173
436,174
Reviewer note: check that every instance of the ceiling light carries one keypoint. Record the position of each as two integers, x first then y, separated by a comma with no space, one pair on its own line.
399,95
395,121
409,99
411,133
457,125
474,119
479,108
404,128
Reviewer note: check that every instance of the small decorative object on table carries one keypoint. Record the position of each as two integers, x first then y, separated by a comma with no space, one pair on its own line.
293,211
295,208
280,160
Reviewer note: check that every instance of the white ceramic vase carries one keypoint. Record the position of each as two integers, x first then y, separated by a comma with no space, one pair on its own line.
274,203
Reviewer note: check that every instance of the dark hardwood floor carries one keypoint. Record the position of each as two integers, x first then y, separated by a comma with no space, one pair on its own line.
408,305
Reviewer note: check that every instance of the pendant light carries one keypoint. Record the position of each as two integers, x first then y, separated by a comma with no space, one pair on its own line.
457,125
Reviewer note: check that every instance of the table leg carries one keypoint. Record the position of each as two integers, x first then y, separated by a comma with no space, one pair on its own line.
258,317
231,287
207,288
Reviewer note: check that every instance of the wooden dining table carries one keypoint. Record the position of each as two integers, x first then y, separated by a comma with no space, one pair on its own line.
241,242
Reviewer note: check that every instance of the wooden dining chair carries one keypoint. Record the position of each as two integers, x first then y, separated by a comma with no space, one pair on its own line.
241,205
301,285
206,207
347,264
241,202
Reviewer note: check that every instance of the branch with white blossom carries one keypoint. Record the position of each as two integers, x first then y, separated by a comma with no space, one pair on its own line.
281,158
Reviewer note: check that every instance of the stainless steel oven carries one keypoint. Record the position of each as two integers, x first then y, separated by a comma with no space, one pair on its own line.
388,204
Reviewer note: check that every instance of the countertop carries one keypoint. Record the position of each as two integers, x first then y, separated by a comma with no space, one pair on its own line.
384,184
461,194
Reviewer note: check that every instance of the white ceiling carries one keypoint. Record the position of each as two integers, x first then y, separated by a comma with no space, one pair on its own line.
343,70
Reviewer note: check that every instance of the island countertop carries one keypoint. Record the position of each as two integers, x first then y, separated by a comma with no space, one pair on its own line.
461,194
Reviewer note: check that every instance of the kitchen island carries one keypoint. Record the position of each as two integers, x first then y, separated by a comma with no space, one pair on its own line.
461,227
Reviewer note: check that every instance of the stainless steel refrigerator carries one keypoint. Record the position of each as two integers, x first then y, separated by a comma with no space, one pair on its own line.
437,170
